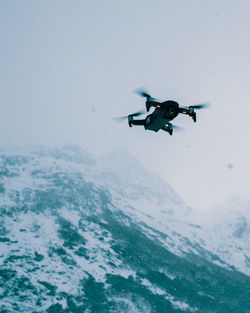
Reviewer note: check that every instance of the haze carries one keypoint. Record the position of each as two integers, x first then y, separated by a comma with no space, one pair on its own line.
68,67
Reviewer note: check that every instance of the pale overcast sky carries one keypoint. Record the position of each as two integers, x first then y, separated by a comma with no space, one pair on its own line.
68,67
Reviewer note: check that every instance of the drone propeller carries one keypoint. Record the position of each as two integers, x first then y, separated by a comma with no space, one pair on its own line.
201,106
143,93
177,128
121,118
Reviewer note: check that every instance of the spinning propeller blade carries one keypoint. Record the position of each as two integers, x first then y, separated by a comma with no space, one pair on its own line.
121,118
201,106
177,128
138,113
143,93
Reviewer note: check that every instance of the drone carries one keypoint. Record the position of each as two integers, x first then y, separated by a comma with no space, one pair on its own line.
163,113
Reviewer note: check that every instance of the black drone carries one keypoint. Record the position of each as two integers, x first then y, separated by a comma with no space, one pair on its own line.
164,113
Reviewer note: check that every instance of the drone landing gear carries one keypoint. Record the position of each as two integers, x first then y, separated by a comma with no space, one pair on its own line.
168,128
194,116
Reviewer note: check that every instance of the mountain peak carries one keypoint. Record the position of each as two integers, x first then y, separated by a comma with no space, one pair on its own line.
125,174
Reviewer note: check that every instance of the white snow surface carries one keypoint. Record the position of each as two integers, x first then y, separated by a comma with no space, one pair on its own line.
139,193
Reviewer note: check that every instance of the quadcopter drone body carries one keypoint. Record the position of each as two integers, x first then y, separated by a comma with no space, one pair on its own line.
160,119
162,115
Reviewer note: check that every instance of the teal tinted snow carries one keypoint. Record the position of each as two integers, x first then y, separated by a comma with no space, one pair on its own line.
67,247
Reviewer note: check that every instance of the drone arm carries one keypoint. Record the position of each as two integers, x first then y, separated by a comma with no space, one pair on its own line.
184,111
138,122
151,103
132,122
188,111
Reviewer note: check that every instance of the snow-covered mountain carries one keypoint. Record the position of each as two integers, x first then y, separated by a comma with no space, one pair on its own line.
84,235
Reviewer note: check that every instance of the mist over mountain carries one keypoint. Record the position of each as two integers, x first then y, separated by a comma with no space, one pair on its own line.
79,234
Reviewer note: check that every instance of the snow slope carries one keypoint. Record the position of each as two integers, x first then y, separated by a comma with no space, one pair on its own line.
84,235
